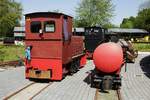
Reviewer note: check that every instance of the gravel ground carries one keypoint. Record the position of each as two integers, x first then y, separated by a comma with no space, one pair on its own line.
11,79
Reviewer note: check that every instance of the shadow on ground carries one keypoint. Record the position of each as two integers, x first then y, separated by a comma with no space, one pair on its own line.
88,78
145,65
40,80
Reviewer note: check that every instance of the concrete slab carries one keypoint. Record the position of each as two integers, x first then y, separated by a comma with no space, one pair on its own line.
136,81
71,88
11,80
1,69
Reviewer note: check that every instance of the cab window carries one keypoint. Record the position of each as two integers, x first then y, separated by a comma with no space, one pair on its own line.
49,27
65,30
35,26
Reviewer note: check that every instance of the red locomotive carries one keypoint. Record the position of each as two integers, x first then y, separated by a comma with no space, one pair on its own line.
108,59
51,49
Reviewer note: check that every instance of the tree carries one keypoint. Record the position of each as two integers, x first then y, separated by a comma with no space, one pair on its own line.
128,22
143,19
110,25
10,15
93,12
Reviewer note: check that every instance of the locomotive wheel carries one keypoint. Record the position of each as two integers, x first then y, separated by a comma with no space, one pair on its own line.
72,68
92,81
77,64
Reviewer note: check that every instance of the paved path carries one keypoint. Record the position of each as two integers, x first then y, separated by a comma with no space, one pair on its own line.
11,80
71,88
136,81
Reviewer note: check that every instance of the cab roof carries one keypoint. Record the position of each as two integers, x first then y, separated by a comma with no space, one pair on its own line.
45,13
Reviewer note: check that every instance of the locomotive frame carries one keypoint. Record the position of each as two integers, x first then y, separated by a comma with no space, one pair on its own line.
51,49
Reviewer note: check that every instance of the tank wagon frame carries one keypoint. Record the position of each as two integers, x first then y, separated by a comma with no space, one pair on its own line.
105,81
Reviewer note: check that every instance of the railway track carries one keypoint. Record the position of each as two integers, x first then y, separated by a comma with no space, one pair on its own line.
28,92
9,63
109,95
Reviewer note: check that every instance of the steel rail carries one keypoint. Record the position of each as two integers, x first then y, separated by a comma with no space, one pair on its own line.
26,87
119,94
12,94
12,63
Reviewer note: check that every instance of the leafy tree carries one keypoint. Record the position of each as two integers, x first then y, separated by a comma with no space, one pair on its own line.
93,12
128,22
109,25
143,19
10,14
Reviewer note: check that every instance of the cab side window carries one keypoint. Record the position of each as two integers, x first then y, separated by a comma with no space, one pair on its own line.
35,26
65,30
49,27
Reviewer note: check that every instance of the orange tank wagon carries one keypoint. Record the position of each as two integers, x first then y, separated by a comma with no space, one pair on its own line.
51,49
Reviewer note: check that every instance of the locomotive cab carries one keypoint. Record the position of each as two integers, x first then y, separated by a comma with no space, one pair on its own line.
52,45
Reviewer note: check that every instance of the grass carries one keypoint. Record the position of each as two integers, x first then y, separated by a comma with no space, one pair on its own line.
144,47
11,52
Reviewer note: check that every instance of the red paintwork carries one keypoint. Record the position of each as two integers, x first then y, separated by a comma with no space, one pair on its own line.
55,65
58,23
108,57
46,49
72,48
89,55
50,51
83,61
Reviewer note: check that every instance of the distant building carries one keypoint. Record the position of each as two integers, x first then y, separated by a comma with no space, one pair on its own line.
78,31
128,32
132,34
19,33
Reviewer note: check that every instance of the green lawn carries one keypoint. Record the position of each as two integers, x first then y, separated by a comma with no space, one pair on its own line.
13,52
10,53
145,47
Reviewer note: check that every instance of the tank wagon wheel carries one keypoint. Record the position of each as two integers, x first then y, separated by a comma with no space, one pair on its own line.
92,81
116,86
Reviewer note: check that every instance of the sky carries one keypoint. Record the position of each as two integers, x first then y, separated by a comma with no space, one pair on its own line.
123,8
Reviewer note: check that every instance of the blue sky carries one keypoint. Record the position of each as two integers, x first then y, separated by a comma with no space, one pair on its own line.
123,8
